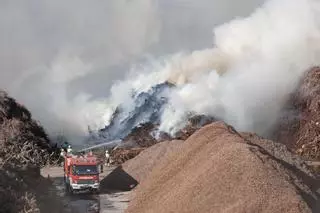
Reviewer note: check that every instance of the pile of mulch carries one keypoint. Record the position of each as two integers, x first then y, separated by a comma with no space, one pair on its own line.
194,123
121,155
142,135
220,170
24,148
140,138
301,130
150,157
308,133
22,140
26,191
15,195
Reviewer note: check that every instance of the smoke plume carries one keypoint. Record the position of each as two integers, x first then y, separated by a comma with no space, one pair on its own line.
247,76
66,61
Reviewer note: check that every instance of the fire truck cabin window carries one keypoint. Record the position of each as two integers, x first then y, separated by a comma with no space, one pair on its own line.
85,170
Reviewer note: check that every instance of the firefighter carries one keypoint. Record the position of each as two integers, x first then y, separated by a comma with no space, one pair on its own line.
62,152
69,150
107,158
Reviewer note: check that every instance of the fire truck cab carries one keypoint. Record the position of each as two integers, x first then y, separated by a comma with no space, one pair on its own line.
81,173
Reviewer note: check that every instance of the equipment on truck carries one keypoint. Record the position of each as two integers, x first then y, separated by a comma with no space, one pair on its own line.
81,173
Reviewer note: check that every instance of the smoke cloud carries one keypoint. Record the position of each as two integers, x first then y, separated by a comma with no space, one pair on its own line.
66,61
247,76
256,63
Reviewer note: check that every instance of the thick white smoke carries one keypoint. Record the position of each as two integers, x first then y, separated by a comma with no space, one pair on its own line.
260,60
60,58
245,79
63,59
55,53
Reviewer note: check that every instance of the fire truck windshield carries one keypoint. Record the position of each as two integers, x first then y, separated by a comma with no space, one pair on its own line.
85,170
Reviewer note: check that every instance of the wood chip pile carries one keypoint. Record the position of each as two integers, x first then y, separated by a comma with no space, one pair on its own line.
24,148
121,155
301,130
220,170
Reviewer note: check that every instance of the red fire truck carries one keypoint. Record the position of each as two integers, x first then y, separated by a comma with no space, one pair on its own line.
81,173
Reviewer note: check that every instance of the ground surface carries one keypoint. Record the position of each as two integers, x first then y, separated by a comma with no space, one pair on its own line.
106,202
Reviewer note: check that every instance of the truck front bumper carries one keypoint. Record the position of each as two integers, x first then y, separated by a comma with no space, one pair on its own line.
85,186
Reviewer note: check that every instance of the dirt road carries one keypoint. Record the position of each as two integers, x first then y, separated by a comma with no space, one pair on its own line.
106,201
